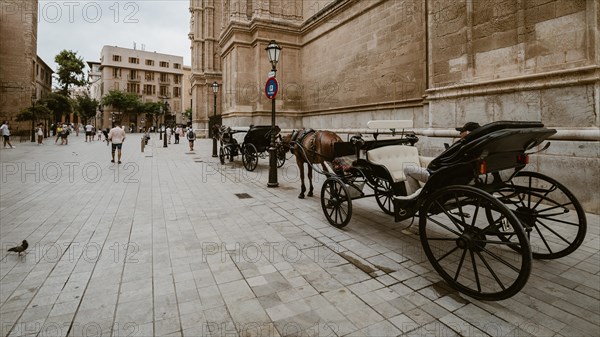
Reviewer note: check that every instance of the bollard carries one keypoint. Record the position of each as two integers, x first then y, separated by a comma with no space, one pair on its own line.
143,143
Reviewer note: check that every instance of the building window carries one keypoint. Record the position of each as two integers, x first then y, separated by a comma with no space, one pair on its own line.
134,60
164,64
116,73
116,86
150,62
176,91
133,87
177,79
133,75
149,89
117,58
176,65
149,76
164,90
164,78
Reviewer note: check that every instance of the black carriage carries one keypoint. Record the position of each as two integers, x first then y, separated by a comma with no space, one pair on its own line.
255,145
482,218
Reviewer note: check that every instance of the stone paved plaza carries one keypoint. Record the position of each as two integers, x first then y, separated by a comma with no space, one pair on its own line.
171,243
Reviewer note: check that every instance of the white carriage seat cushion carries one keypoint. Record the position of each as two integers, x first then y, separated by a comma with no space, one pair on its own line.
395,158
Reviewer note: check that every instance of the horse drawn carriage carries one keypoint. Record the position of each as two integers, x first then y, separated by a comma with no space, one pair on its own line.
482,218
255,145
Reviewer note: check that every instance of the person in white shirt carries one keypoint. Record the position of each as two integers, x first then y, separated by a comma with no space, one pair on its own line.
169,133
40,134
6,134
89,132
116,136
177,133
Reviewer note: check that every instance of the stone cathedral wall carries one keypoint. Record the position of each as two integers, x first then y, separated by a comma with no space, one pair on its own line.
440,63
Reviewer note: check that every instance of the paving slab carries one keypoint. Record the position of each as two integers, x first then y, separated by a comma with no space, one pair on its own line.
172,243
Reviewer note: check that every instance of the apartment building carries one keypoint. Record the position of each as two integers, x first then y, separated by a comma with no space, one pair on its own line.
153,76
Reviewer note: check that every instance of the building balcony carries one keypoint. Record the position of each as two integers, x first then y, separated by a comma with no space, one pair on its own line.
164,81
133,78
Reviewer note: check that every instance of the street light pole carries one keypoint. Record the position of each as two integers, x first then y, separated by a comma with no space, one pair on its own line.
215,88
273,52
166,104
33,99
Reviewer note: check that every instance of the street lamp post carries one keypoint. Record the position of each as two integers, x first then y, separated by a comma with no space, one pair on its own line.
215,89
166,105
273,52
33,99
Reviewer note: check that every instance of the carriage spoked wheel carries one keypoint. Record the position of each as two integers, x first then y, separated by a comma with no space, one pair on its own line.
384,195
280,157
553,218
336,202
280,150
465,247
250,157
223,152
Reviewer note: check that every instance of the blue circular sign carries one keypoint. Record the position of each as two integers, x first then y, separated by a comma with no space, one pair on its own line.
271,88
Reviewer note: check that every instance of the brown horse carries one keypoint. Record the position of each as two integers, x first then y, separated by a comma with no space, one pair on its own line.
310,147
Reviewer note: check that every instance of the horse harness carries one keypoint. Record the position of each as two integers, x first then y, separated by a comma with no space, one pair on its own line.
298,138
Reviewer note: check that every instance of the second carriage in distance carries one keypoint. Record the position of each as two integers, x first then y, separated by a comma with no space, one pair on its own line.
255,145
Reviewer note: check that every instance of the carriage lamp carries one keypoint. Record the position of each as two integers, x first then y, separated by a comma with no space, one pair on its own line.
273,52
215,89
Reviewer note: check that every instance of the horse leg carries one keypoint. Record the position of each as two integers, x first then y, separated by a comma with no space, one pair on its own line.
302,186
310,175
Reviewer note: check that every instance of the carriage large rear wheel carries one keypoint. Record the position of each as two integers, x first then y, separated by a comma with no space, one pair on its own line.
465,247
384,195
553,218
336,202
250,157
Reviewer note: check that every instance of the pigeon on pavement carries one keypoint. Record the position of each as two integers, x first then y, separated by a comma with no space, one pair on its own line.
19,249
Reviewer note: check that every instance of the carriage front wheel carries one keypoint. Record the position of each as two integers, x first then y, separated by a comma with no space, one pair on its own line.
551,215
336,202
280,155
250,157
384,195
223,152
487,260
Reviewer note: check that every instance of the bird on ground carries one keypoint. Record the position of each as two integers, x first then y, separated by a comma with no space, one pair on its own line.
19,249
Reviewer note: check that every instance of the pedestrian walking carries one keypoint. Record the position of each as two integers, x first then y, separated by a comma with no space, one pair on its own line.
6,134
105,132
177,133
169,133
64,135
191,137
40,134
117,137
89,132
58,132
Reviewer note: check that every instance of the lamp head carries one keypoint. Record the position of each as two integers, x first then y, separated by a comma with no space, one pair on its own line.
215,87
273,52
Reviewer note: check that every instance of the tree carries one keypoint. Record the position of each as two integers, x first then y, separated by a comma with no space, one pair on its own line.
41,112
59,105
86,107
122,101
188,114
70,70
153,111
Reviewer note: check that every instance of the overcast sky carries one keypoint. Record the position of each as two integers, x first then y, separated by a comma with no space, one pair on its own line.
85,26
